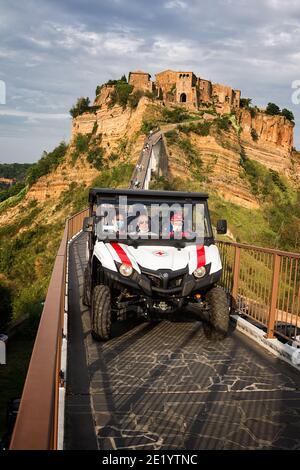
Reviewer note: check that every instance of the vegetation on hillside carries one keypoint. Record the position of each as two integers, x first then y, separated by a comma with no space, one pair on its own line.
274,110
16,172
47,163
82,106
121,93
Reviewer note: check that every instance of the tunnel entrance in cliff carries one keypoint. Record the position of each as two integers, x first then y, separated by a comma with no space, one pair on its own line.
183,98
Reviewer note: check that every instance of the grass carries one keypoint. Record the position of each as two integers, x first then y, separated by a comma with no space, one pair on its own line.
13,200
13,374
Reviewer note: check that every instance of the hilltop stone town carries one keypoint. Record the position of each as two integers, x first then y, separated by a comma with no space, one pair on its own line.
187,89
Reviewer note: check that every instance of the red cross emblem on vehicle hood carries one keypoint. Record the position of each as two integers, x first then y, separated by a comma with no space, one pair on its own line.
160,253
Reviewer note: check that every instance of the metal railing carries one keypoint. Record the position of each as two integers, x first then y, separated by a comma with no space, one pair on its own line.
265,286
37,421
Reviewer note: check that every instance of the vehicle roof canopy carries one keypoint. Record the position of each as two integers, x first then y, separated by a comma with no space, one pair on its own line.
144,194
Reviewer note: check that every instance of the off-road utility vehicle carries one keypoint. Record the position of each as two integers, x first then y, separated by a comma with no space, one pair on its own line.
151,252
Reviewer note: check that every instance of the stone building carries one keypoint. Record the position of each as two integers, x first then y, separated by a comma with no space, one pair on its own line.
140,80
186,89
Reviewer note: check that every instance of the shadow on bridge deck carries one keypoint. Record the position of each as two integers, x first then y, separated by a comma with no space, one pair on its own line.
165,386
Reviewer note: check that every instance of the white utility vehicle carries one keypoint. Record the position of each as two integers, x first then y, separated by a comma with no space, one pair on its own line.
151,252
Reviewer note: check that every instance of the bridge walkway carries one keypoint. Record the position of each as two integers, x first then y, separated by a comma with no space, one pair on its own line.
165,386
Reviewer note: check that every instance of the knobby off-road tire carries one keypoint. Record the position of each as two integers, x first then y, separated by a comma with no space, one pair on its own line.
218,309
101,312
86,299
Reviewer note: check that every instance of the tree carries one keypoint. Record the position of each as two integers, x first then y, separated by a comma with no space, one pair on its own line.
272,109
254,134
81,106
288,114
98,89
245,102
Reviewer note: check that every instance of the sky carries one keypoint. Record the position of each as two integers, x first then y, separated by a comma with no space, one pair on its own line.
54,51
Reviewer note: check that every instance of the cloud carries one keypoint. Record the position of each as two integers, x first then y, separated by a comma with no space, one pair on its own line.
32,116
175,4
52,52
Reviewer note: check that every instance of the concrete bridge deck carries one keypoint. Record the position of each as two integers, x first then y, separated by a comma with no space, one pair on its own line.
165,386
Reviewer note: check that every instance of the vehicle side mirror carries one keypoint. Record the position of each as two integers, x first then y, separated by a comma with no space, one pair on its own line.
88,224
222,226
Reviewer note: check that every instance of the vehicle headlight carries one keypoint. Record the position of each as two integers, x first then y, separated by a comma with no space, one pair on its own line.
199,272
125,270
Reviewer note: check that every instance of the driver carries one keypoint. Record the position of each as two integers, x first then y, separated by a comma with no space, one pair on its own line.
176,229
119,223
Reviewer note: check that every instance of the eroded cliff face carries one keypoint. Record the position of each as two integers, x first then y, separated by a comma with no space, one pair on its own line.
114,125
273,142
220,167
220,154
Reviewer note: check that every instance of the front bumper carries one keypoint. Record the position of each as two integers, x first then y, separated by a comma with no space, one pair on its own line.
146,285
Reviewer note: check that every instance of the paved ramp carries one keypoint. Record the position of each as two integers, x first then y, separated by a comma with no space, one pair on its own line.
165,386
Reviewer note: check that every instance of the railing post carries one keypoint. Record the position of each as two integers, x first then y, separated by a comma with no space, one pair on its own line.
236,272
274,294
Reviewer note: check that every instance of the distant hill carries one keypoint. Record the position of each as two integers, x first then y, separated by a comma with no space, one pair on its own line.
14,171
12,178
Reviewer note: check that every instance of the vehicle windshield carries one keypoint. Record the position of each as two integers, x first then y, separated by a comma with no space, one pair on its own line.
128,219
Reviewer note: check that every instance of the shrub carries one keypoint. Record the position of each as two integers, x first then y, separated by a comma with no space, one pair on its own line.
82,142
118,177
147,126
172,136
223,123
98,89
160,183
288,114
81,106
266,184
11,191
272,109
120,94
29,301
113,157
200,128
134,98
175,114
95,157
245,102
254,134
150,94
47,163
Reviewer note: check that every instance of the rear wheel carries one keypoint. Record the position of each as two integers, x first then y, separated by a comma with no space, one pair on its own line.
101,312
218,310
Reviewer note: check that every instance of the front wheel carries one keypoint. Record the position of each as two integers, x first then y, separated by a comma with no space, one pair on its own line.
218,314
101,312
86,299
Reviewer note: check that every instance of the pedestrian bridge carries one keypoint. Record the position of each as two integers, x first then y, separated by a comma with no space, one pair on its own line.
165,385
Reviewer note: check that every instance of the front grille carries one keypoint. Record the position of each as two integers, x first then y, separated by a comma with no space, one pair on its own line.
155,281
176,282
159,280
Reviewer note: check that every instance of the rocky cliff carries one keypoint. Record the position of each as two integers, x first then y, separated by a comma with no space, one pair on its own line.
267,139
256,136
115,126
